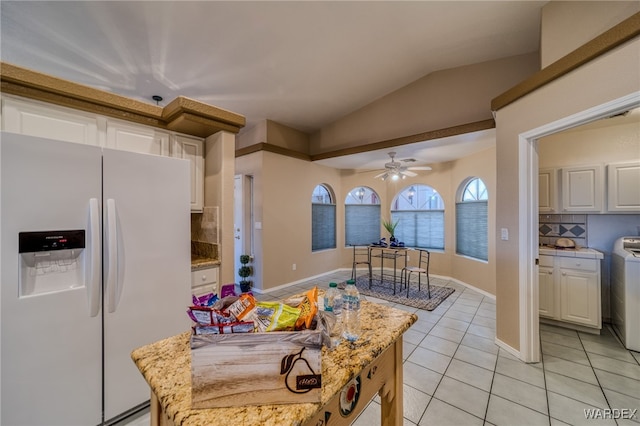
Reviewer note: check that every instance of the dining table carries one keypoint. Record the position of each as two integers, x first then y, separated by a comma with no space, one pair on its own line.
397,256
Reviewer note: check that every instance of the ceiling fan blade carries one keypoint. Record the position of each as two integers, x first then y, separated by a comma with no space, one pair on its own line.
380,175
419,168
408,173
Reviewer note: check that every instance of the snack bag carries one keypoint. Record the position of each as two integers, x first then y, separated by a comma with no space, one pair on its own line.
309,308
242,307
276,316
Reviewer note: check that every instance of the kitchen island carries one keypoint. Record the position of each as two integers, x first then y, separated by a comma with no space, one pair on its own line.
374,362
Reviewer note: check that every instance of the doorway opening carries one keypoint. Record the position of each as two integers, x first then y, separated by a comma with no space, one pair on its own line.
528,222
243,221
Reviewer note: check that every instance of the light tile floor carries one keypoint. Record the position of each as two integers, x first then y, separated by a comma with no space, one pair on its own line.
454,373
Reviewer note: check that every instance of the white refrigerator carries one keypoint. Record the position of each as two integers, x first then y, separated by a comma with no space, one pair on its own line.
95,262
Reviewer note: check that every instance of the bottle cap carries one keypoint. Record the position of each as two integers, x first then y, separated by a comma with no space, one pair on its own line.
333,284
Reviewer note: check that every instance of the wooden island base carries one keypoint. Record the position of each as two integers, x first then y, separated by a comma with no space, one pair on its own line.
352,374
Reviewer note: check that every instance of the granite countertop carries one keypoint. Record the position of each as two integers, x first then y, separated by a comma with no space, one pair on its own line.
199,262
582,252
166,366
204,255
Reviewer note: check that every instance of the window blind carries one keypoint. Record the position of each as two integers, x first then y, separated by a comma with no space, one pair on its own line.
471,229
420,228
362,224
323,226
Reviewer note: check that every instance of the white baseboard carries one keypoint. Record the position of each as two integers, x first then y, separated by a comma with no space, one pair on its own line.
444,277
508,348
280,287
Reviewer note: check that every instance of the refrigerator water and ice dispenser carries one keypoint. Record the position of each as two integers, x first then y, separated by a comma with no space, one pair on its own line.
51,261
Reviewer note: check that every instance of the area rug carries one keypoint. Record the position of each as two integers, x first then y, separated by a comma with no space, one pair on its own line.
383,289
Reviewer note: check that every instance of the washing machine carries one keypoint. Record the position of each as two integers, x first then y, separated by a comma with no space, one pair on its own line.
625,291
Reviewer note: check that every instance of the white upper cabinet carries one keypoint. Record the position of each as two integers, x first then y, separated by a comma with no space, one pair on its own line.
582,189
623,187
48,121
34,118
125,136
192,149
547,193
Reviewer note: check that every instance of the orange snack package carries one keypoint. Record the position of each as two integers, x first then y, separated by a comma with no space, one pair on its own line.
308,309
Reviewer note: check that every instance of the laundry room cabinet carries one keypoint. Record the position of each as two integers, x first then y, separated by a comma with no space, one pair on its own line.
569,287
580,291
582,189
623,187
546,287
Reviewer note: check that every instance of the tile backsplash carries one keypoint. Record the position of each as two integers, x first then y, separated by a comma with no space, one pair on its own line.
205,226
554,226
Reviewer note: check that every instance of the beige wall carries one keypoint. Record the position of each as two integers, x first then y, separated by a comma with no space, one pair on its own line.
567,25
269,131
438,100
604,79
481,275
219,169
283,186
617,141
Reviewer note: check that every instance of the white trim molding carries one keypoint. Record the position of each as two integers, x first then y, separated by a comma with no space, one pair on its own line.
528,218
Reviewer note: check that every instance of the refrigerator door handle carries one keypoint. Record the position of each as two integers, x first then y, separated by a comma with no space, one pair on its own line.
111,289
93,287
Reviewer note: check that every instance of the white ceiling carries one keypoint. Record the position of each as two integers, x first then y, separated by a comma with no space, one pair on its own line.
300,63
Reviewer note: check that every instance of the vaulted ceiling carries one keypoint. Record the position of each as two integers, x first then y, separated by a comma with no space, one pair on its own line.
303,64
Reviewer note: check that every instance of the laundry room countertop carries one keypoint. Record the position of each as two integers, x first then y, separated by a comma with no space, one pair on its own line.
583,252
376,358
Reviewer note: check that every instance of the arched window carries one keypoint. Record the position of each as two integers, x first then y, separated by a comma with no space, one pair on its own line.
361,216
419,211
323,219
471,219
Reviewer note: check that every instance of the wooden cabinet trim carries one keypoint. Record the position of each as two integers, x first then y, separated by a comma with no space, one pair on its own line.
182,114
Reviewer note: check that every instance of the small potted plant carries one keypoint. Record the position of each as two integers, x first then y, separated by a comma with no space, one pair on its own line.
244,272
391,228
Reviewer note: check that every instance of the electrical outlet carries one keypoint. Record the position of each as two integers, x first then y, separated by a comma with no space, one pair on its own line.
293,267
408,258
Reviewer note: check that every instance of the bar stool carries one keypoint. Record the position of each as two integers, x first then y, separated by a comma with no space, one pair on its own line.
420,269
361,256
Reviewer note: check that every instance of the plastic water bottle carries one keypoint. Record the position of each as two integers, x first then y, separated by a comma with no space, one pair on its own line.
333,299
333,303
351,312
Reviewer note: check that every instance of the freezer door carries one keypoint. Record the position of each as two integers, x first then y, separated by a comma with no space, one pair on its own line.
51,358
147,265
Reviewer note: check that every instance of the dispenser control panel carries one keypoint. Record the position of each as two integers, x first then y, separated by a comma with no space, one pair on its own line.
30,242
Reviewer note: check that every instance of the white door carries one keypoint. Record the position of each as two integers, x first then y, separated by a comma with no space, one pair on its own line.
51,344
238,223
147,265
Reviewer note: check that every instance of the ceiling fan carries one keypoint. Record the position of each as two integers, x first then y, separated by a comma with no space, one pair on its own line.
396,170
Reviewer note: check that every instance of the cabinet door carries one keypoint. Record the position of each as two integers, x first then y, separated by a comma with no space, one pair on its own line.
192,149
582,189
624,187
579,297
546,291
48,121
547,194
137,138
